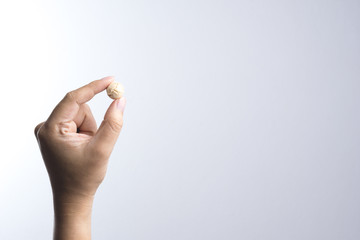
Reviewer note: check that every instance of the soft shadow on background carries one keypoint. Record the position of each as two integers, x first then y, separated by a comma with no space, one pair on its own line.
242,119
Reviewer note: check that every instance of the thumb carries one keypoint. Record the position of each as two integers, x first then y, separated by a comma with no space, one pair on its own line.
109,130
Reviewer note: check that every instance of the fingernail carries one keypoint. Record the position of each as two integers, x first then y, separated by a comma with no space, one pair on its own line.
120,104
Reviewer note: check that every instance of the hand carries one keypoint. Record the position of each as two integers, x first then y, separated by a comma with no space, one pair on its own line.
76,153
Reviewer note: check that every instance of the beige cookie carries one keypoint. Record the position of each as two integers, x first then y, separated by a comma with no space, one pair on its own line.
115,90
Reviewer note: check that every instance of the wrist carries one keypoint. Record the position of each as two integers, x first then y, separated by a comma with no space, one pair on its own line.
72,215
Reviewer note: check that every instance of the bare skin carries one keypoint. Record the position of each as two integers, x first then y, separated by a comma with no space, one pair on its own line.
76,155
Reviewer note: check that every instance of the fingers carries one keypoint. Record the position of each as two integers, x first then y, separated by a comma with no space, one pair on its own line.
85,121
68,108
109,130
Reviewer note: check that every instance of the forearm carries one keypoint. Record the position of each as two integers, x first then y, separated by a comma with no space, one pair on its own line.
72,217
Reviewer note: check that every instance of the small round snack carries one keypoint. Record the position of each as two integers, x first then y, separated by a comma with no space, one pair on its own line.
115,90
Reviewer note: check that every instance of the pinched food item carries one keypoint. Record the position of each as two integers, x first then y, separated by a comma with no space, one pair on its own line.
115,90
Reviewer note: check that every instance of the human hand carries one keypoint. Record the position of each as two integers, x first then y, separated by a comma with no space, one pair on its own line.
75,152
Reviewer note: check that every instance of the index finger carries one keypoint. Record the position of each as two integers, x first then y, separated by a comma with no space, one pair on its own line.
68,107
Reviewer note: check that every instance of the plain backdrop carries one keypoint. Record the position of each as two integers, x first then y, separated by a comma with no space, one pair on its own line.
242,119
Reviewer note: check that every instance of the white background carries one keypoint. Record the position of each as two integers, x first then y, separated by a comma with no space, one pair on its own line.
242,119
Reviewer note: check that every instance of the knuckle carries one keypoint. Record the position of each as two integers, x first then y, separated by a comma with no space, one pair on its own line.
92,84
114,124
41,133
37,129
71,96
44,132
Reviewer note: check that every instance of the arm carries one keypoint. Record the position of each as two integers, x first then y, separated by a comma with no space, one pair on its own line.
76,154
